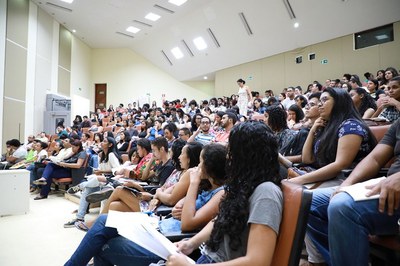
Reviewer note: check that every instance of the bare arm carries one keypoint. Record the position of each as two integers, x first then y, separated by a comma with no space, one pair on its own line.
348,147
171,197
307,155
76,165
259,252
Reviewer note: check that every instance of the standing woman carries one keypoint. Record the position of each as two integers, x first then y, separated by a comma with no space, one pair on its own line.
246,229
244,97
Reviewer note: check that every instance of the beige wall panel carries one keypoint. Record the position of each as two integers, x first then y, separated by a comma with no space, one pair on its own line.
64,52
273,73
361,60
13,120
64,79
297,74
201,86
17,21
390,52
225,81
252,74
44,34
331,51
15,72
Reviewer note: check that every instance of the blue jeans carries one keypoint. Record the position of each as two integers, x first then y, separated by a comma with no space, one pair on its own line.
349,225
109,248
204,260
83,204
53,171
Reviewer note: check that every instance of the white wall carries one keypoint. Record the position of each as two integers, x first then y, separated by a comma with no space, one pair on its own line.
129,76
81,87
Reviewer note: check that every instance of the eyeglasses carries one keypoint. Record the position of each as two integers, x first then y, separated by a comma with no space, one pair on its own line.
311,104
205,122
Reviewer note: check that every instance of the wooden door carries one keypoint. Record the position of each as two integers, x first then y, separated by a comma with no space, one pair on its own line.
100,96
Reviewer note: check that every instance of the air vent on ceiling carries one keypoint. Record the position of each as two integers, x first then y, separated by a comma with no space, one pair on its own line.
164,9
142,23
124,34
245,23
59,7
166,57
187,48
289,9
213,37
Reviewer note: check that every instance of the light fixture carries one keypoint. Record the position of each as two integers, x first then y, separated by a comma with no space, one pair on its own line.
205,77
200,43
73,31
177,2
381,37
152,17
296,25
67,1
177,52
133,29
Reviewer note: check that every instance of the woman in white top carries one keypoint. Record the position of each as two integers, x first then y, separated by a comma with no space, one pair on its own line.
244,97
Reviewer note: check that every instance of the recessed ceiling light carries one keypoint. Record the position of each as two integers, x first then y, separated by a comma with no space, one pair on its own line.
177,52
132,29
296,25
152,17
67,1
205,77
200,43
177,2
73,31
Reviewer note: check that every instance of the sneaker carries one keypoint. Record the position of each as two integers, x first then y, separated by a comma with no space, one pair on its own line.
71,223
74,189
99,195
40,182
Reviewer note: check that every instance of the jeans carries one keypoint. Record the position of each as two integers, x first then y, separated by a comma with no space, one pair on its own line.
31,169
108,248
53,171
83,204
349,225
204,259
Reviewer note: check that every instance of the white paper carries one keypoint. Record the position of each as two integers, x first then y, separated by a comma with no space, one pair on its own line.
359,191
139,228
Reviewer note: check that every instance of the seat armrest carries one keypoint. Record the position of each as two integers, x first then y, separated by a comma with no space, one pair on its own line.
163,210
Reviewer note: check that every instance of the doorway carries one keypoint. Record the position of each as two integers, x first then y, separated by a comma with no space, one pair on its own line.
100,96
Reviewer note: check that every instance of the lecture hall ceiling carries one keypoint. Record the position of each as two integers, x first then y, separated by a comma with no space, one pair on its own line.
103,24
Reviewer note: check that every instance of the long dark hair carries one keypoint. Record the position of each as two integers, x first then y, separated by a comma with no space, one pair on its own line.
113,149
277,118
252,159
366,101
342,110
176,149
193,150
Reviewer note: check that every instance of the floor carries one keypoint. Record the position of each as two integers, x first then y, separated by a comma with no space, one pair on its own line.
38,237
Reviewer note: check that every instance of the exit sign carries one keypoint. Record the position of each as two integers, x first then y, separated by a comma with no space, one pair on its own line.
324,61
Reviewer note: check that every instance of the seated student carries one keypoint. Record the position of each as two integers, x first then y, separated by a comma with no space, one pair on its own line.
184,133
155,131
40,154
337,140
363,102
228,120
390,108
349,222
196,212
61,169
123,143
276,118
109,161
203,134
295,115
173,189
247,227
15,151
294,148
169,133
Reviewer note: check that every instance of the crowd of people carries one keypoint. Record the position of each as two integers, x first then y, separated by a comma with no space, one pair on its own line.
219,165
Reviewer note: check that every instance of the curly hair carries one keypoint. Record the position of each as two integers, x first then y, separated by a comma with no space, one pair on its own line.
252,159
276,118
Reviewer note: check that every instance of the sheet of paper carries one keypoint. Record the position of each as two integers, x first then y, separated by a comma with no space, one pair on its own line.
137,227
359,191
